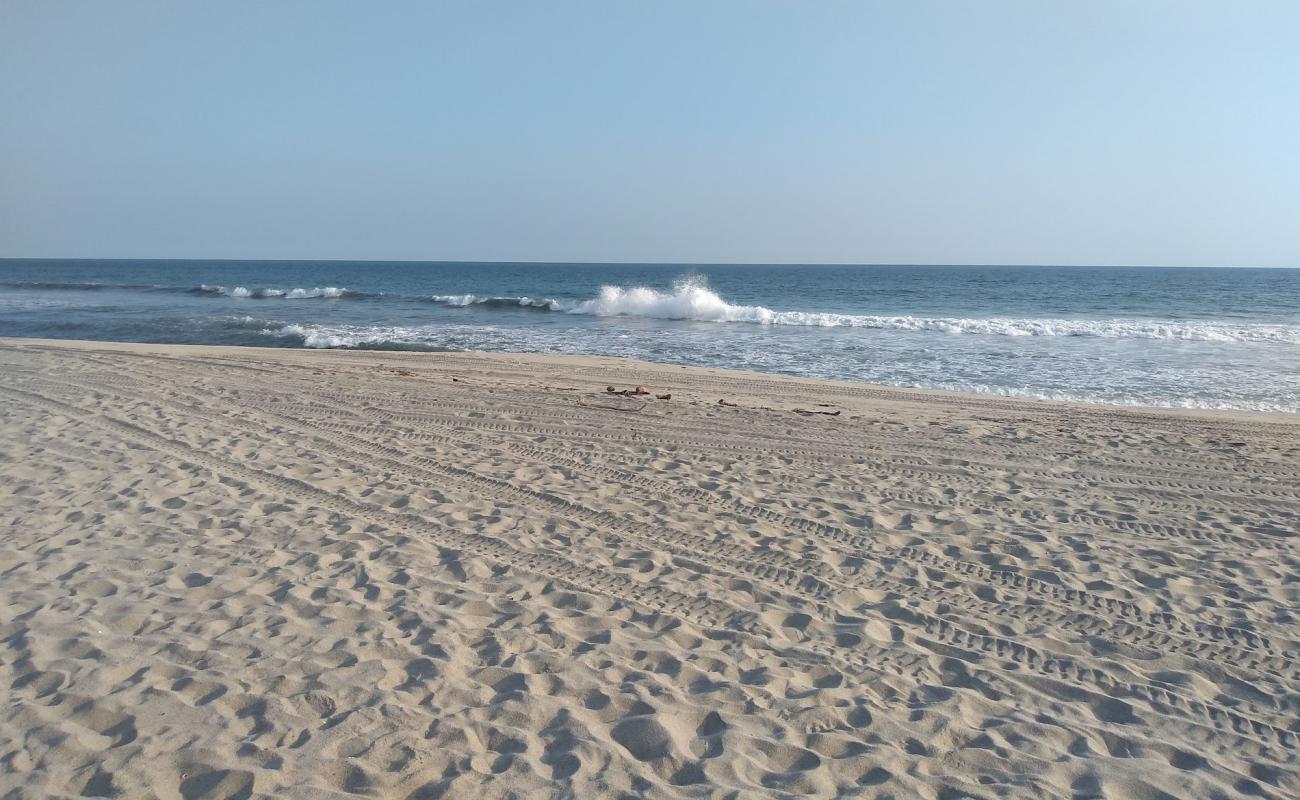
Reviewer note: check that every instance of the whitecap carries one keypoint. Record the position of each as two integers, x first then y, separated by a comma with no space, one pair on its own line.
691,299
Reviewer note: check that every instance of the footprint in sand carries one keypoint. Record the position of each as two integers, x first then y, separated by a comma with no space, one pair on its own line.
221,784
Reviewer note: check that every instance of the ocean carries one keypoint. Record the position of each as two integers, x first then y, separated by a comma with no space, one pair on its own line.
1165,337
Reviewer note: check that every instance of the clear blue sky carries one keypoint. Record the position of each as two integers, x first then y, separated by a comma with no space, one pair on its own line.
1034,132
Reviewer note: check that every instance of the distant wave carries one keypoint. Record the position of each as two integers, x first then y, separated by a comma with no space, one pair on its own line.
465,300
328,292
81,287
202,289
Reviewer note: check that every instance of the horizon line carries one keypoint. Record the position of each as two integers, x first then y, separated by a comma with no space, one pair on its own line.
652,263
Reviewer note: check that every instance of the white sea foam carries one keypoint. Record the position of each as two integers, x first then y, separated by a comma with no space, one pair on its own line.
689,299
328,291
343,336
457,300
267,293
692,300
464,300
1128,388
1133,397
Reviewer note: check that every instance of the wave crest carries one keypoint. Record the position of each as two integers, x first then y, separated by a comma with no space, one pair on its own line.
329,292
465,300
691,299
352,337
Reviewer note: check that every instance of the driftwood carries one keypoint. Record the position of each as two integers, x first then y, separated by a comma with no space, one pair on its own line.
638,391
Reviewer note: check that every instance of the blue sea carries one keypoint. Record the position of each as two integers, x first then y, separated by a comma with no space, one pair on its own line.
1168,337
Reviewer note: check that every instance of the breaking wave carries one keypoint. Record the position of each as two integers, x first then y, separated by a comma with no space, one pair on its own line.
693,300
329,292
466,300
352,337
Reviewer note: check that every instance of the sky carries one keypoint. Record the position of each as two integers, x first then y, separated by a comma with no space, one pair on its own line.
1090,132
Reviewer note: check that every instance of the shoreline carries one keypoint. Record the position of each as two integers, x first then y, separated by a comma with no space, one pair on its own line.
254,572
840,386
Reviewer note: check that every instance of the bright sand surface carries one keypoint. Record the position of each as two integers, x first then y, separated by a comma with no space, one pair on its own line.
231,573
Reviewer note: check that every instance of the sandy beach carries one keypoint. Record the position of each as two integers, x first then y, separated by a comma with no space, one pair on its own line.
233,573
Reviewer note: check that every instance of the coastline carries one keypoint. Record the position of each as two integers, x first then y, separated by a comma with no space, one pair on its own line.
846,390
235,572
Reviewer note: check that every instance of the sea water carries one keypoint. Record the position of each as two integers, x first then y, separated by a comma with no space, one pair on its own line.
1169,337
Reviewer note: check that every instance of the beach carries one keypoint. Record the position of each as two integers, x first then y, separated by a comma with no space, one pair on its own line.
235,572
1211,339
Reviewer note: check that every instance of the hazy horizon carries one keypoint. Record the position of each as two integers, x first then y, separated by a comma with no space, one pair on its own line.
526,262
933,133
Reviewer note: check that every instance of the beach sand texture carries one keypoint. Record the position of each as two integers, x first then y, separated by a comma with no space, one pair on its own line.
230,573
